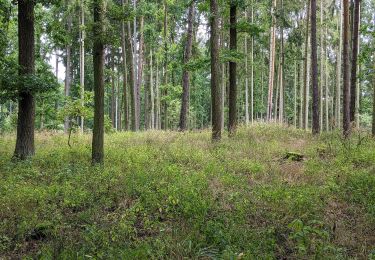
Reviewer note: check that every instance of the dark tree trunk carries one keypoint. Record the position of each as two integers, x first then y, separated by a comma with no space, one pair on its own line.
215,73
186,73
26,104
314,64
232,123
98,52
131,77
353,81
346,101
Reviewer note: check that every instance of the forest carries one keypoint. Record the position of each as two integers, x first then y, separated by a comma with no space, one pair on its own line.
187,129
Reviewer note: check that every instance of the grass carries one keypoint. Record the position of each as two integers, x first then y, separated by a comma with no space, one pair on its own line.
177,195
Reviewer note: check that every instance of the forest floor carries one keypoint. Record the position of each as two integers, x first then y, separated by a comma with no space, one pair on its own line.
268,193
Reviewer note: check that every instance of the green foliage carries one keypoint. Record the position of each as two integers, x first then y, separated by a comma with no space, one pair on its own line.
163,194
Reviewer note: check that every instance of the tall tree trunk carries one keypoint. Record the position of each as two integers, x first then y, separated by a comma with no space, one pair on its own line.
125,77
314,65
158,104
247,119
271,62
186,73
119,98
82,60
276,114
322,61
113,94
131,77
295,95
306,78
338,71
327,96
140,70
134,42
373,101
346,101
301,91
252,70
281,76
215,85
98,52
147,99
57,78
26,60
223,78
68,69
164,122
152,93
355,43
232,123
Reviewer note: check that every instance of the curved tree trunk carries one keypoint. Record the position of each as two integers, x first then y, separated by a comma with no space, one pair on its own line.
26,59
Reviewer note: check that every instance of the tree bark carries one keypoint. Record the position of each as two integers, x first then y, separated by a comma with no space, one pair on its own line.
26,60
232,121
215,84
301,91
82,60
152,92
271,62
281,76
247,119
252,70
306,78
373,102
125,77
355,45
164,121
295,95
98,52
113,94
131,77
314,64
322,61
346,101
186,73
140,70
338,72
68,70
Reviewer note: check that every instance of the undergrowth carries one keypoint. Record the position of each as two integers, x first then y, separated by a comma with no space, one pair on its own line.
174,195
